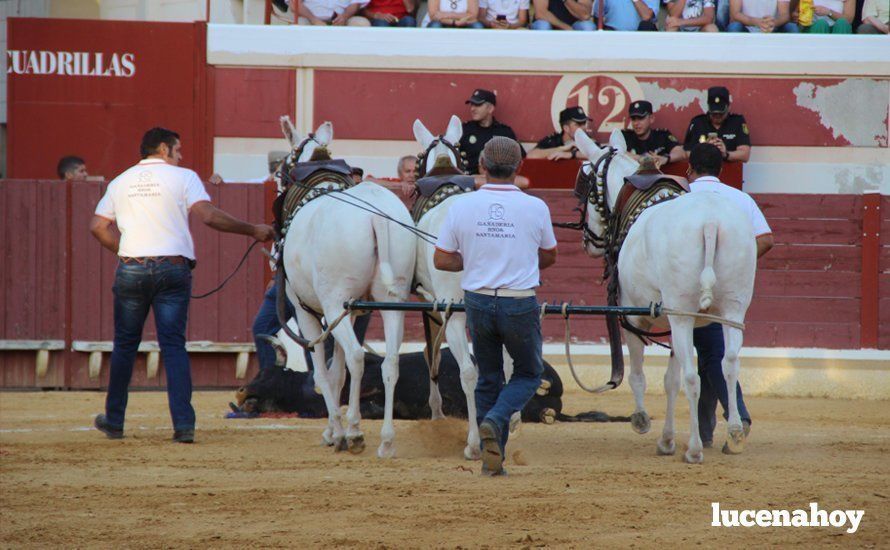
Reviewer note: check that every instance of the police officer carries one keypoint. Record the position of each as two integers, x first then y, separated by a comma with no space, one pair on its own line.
500,238
643,140
150,203
561,145
727,131
481,127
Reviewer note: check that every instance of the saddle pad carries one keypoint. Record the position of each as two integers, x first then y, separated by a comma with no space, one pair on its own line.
430,184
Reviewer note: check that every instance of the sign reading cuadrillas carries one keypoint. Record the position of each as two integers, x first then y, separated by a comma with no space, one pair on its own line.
71,63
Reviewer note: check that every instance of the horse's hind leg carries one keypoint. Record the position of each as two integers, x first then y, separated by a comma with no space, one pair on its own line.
354,354
311,329
681,328
732,337
666,445
456,334
393,330
639,420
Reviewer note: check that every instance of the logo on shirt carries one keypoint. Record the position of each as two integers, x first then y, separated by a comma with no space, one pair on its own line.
496,227
472,139
496,212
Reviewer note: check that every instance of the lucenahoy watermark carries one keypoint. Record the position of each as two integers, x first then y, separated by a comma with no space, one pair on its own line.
814,517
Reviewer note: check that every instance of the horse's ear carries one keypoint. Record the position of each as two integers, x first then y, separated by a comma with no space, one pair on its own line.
617,141
422,135
324,135
290,133
587,146
455,130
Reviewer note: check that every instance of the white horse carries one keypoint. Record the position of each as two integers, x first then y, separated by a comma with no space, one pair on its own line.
695,253
436,285
335,251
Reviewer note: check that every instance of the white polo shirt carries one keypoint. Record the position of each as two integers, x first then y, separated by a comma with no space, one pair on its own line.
150,204
498,231
325,9
740,198
508,8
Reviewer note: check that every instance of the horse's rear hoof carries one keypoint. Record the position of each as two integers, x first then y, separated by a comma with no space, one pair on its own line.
665,448
544,388
735,443
640,422
548,416
356,444
694,458
340,446
472,452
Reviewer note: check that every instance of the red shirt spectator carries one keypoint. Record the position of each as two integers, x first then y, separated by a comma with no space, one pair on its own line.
395,8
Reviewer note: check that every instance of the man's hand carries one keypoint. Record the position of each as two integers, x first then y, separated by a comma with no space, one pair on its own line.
263,232
388,17
215,179
340,20
318,22
559,155
407,188
672,23
500,24
719,144
821,10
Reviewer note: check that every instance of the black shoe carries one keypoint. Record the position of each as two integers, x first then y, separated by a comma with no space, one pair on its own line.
492,458
707,444
111,432
184,436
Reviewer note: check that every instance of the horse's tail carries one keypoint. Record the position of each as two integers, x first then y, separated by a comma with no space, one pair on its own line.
708,278
381,232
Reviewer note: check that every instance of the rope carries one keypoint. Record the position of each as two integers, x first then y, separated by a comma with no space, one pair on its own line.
569,353
324,335
706,316
437,342
226,280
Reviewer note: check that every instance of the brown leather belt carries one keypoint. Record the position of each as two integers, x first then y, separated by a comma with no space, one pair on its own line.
176,260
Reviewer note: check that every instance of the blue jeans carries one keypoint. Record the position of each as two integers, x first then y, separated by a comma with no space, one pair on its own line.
709,347
542,25
165,288
407,21
721,17
495,324
266,322
788,28
439,25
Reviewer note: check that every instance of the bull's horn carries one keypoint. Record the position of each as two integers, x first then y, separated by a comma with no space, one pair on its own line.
280,351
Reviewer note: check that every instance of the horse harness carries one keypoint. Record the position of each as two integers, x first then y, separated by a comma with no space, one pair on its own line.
431,191
639,192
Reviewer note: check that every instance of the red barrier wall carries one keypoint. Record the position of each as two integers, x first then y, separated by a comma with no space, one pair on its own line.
56,280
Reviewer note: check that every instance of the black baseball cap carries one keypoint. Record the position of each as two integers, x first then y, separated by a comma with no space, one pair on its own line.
481,96
640,108
575,114
718,99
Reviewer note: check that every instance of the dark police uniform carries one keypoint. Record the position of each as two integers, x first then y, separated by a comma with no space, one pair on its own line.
733,132
476,136
659,143
551,141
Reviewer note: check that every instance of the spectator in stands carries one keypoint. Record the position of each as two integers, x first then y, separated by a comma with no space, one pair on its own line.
331,12
644,141
461,14
561,145
691,16
391,13
832,17
357,174
72,168
504,14
564,15
407,174
629,15
727,131
761,16
482,126
875,17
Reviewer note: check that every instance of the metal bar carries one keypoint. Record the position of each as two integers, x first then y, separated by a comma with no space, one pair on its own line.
459,307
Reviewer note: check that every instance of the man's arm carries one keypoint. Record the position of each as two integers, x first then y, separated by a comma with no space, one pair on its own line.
448,261
764,243
784,9
644,11
343,18
222,221
735,14
742,154
546,258
101,229
538,153
581,9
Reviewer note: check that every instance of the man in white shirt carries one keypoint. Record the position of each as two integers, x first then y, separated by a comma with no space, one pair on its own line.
150,204
500,238
705,162
332,12
504,14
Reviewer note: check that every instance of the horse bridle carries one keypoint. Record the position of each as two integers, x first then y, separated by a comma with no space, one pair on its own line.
596,196
459,156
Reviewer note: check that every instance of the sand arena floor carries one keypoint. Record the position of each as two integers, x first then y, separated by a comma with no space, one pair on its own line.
268,483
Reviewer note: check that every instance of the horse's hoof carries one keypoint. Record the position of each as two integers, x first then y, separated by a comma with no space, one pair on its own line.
735,443
544,388
640,422
665,448
327,437
356,444
472,452
694,458
548,416
340,445
386,450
